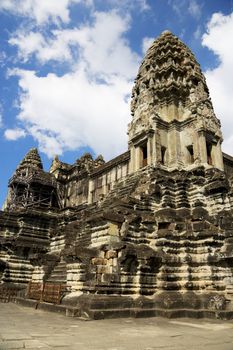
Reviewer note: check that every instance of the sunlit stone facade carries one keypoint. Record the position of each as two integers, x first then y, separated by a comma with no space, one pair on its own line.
149,232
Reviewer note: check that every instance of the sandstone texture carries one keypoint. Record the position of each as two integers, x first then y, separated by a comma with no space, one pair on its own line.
149,233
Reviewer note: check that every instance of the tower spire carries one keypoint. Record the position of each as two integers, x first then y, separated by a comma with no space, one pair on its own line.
173,121
32,159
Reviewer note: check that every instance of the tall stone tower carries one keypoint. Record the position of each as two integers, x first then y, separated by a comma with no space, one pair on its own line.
173,122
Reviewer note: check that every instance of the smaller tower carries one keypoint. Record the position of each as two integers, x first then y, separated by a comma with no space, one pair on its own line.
30,186
173,121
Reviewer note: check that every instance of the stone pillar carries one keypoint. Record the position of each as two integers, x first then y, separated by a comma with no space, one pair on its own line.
138,158
196,152
216,155
154,151
157,147
202,147
104,184
134,158
90,191
131,161
173,147
150,150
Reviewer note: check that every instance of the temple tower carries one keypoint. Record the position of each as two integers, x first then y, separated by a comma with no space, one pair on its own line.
173,121
30,186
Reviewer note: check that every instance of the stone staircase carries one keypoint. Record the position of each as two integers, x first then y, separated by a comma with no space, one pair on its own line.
18,270
59,273
75,276
121,189
4,256
190,259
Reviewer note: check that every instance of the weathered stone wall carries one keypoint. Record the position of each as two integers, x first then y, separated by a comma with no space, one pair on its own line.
92,185
147,233
24,239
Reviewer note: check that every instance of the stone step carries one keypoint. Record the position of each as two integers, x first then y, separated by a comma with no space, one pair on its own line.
59,273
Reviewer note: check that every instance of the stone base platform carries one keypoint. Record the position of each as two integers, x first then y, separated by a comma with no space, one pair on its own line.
99,307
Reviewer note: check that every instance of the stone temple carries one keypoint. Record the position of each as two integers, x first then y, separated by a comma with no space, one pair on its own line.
148,233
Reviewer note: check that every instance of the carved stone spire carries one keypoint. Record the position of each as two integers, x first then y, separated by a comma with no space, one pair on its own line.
55,164
32,159
30,186
170,81
173,121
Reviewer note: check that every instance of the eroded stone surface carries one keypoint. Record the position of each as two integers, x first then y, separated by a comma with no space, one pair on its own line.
148,233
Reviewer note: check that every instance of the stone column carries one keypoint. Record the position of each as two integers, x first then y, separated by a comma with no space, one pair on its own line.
150,150
90,191
173,147
202,147
216,155
132,159
157,147
154,150
137,158
104,184
196,152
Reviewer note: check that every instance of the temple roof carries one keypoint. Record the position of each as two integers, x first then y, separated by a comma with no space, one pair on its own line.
30,170
169,75
32,159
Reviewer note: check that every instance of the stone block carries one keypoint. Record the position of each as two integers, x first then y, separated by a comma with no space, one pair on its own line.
103,269
99,261
111,254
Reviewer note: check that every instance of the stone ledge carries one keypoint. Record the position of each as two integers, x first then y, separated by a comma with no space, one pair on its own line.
63,309
118,312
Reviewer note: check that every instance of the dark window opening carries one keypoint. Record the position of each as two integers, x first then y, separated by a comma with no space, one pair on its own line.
144,155
191,154
130,264
209,149
163,151
99,182
195,81
26,251
163,225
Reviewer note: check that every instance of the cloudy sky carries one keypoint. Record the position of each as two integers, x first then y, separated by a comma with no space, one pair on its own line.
67,69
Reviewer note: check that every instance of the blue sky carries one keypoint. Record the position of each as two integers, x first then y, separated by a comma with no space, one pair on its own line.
67,69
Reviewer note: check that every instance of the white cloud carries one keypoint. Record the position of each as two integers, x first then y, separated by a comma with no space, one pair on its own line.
146,43
219,79
72,111
41,11
197,33
14,134
44,49
104,48
58,11
3,58
182,7
88,106
177,6
194,9
27,43
104,37
142,5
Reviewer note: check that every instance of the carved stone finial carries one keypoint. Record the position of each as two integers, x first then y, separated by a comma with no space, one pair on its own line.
32,159
55,164
168,76
99,160
166,32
